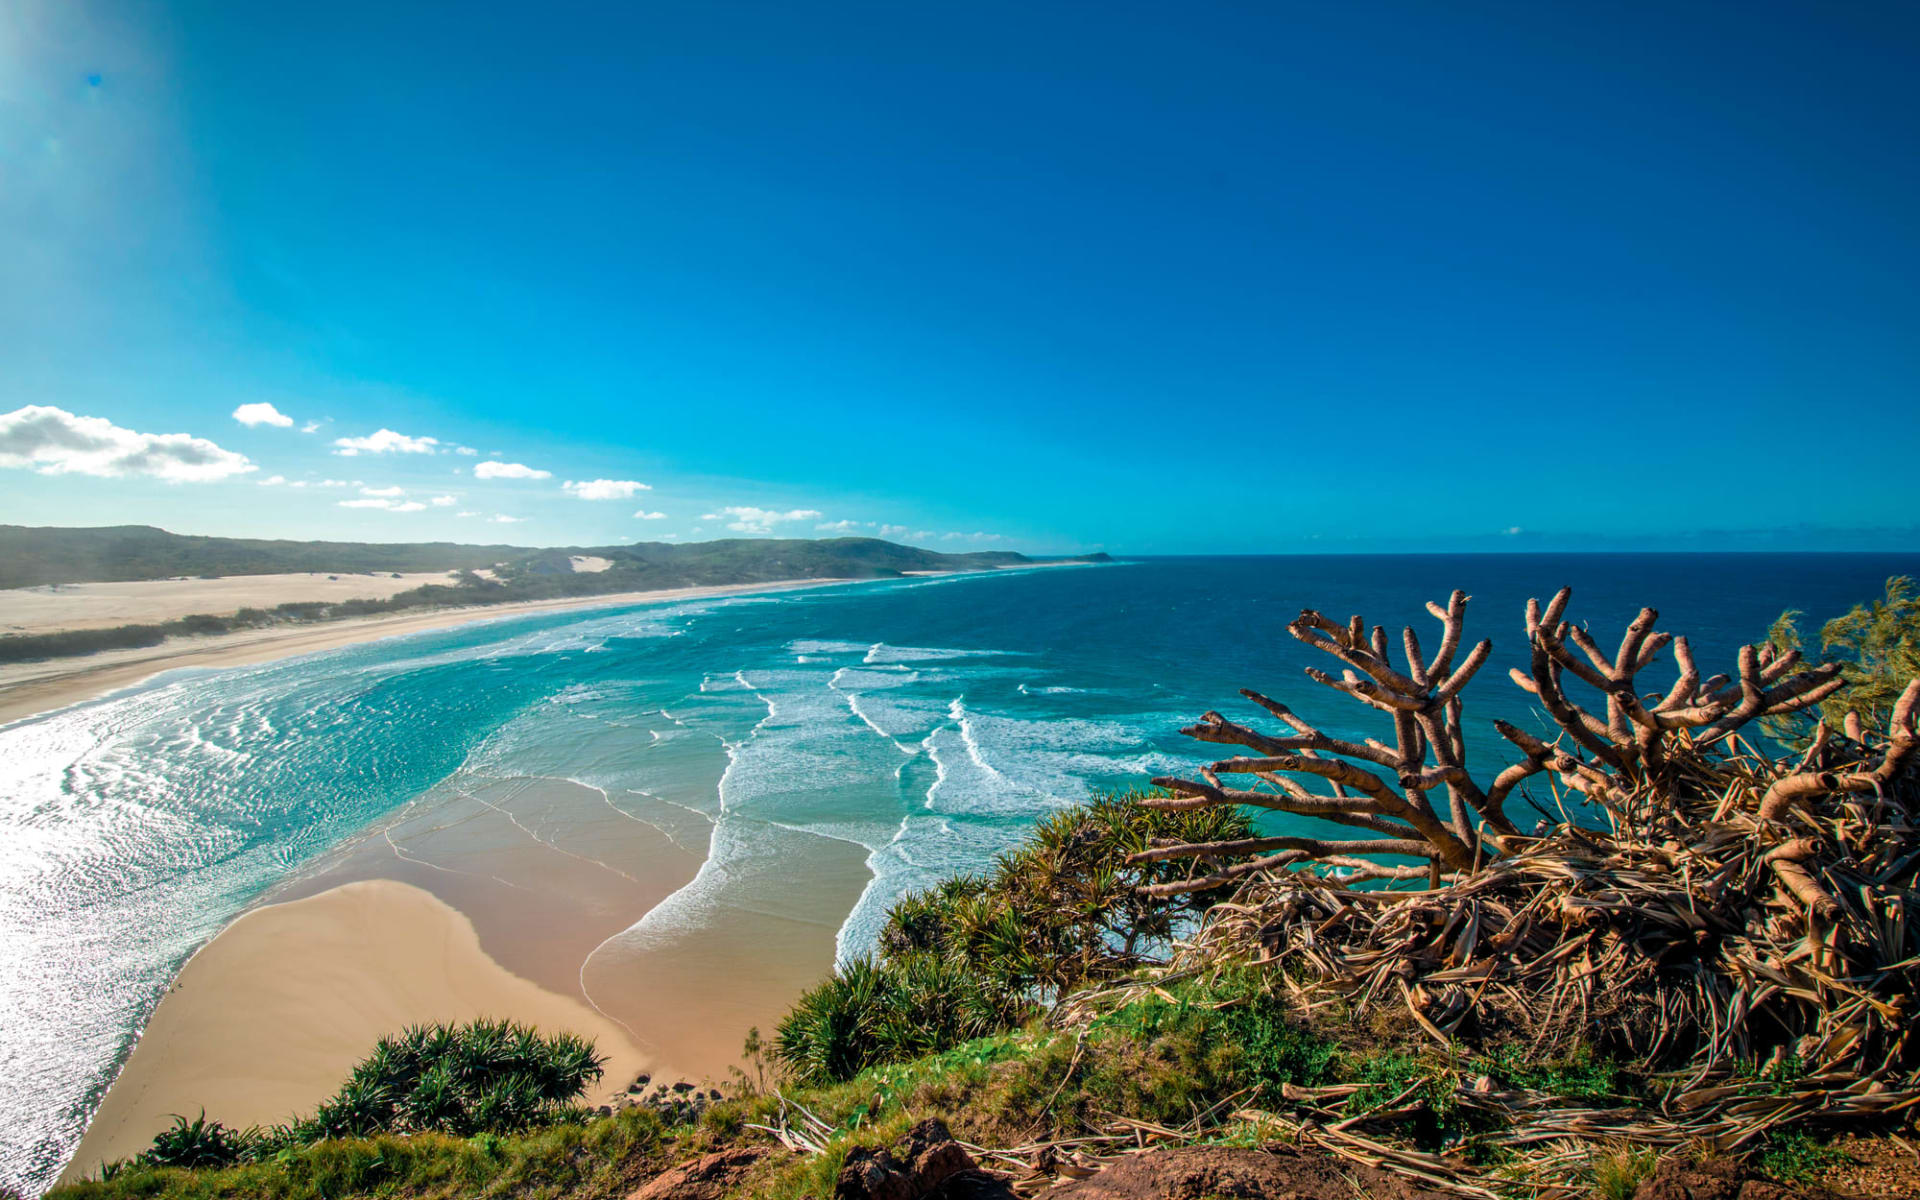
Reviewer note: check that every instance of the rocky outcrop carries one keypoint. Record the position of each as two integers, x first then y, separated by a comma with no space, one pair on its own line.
927,1164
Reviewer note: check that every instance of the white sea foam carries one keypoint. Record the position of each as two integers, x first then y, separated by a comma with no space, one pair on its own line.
812,646
880,652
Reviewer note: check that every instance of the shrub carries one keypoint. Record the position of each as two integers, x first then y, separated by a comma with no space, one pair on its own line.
197,1143
980,954
1878,647
484,1077
481,1077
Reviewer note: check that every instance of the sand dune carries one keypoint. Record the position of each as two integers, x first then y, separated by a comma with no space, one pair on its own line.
55,607
28,688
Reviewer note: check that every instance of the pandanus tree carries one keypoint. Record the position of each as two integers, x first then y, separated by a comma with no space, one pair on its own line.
1714,900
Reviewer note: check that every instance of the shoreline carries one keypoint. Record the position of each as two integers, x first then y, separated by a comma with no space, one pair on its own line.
267,1019
33,689
543,882
461,919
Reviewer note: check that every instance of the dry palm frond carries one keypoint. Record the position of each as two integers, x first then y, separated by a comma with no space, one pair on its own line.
1714,910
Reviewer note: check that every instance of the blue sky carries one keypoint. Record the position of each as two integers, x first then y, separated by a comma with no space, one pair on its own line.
1153,278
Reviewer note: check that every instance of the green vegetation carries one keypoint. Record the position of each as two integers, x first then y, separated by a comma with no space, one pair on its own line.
34,555
598,1160
1796,1156
1616,1174
890,1041
979,954
1878,647
481,1078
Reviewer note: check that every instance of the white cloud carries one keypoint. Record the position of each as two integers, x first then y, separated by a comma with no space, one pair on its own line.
887,531
54,441
644,515
442,501
747,519
466,514
603,489
310,427
274,481
465,451
384,502
507,470
261,414
1513,530
333,483
841,526
384,441
385,491
976,536
504,519
298,483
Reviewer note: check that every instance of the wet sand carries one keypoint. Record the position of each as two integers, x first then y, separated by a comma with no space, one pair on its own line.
270,1016
519,898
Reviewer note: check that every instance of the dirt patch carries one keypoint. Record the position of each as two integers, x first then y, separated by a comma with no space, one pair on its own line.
708,1178
1718,1179
1884,1167
1210,1172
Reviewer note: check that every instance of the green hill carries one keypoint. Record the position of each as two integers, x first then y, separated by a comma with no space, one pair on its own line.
30,556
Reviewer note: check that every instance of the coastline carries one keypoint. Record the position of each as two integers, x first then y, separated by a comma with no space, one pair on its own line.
531,898
471,907
31,689
268,1018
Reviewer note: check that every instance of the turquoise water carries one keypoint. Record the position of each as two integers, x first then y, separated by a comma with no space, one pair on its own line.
927,721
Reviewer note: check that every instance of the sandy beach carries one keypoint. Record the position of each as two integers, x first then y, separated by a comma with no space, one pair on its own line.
270,1016
500,895
515,903
30,688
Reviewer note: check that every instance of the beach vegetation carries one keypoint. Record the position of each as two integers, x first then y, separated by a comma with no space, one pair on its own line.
983,953
1618,1171
479,1079
1797,1156
199,1143
1876,645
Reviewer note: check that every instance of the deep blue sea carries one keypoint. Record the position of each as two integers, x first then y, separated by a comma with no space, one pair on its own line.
930,721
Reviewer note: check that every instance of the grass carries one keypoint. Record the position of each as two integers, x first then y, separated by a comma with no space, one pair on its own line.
1796,1156
1618,1173
1159,1058
602,1158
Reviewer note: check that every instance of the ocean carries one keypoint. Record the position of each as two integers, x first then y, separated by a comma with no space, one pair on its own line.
927,722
